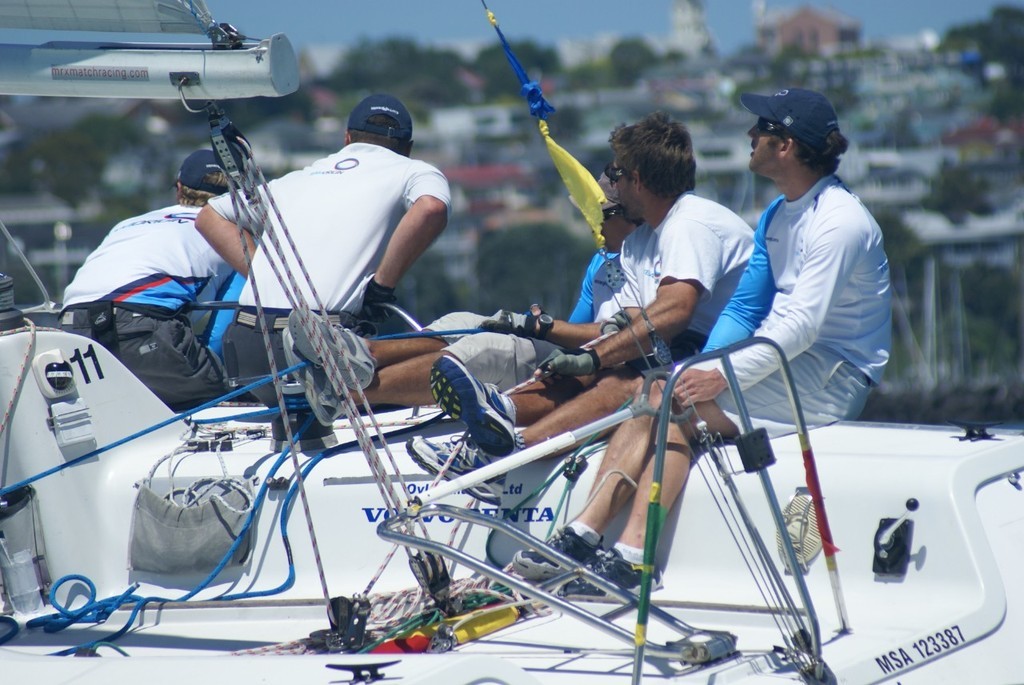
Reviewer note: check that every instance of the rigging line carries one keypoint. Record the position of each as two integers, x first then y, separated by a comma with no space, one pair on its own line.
330,362
315,333
12,244
247,175
742,540
711,441
766,566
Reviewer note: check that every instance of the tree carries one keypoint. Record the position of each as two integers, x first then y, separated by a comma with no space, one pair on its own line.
400,66
500,81
1000,39
67,164
540,263
629,59
955,193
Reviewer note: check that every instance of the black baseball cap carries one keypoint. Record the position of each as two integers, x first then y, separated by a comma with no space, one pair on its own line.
195,167
382,103
807,114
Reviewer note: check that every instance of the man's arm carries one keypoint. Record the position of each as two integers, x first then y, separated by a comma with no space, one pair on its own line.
223,237
420,226
670,313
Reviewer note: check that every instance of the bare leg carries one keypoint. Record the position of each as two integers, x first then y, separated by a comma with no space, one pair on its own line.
406,383
388,352
678,458
613,387
626,456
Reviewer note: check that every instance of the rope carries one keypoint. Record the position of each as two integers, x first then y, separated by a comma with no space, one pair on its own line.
19,379
145,431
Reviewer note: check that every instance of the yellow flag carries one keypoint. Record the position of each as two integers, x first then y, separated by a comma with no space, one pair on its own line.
582,186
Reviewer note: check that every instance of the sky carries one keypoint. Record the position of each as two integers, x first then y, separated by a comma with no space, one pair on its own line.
319,22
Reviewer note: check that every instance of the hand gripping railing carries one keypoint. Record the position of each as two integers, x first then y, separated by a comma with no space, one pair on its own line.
695,647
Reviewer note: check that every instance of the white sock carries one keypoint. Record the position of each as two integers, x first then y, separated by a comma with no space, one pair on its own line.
589,535
633,555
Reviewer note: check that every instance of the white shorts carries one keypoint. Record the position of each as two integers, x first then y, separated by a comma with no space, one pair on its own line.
498,358
830,389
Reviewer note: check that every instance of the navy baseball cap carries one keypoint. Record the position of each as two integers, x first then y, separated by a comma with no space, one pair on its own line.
195,167
807,114
381,103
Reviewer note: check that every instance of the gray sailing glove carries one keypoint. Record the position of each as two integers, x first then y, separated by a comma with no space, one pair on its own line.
576,362
504,321
619,322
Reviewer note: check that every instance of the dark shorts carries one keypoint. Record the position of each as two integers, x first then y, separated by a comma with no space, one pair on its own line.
159,347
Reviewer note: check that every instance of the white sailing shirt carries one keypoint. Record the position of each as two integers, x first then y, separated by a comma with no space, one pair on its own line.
699,240
157,259
340,212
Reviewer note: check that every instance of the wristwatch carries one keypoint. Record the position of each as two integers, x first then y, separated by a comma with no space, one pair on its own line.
544,323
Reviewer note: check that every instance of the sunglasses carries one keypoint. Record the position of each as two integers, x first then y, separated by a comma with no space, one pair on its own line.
771,127
614,173
615,210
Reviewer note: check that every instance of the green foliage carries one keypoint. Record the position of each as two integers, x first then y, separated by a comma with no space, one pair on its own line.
1007,103
901,243
500,80
426,291
1001,39
540,263
629,59
955,193
66,164
402,67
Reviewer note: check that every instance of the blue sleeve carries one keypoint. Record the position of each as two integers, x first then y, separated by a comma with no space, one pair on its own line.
583,312
220,318
754,295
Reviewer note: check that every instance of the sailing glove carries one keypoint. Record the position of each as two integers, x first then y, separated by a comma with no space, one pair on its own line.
578,362
507,322
374,297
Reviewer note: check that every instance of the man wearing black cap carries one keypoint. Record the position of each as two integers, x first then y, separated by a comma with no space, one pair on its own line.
817,284
133,294
359,218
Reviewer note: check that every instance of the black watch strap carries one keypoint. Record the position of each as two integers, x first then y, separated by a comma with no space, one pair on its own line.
544,324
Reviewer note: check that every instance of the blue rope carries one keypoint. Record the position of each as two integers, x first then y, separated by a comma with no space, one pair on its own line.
174,419
100,611
539,107
12,628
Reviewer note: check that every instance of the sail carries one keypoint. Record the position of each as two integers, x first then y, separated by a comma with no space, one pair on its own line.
130,16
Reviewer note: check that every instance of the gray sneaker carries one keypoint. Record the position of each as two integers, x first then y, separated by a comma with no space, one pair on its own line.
343,345
533,565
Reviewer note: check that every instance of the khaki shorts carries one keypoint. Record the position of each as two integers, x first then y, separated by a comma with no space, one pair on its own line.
504,360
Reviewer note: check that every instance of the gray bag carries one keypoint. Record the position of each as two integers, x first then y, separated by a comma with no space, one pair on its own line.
189,530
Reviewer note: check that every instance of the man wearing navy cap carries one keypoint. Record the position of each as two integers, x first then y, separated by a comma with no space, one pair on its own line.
134,293
817,284
359,218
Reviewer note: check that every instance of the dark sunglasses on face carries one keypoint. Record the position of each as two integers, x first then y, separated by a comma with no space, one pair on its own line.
614,173
614,210
771,127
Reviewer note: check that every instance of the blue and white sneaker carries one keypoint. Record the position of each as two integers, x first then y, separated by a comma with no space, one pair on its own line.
489,415
433,458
